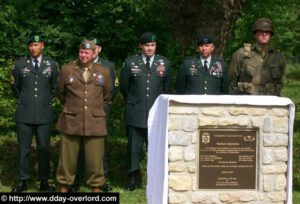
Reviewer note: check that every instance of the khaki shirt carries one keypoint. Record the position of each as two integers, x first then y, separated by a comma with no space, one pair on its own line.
254,72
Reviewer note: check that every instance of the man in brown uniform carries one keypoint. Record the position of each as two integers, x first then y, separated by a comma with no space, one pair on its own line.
258,69
84,88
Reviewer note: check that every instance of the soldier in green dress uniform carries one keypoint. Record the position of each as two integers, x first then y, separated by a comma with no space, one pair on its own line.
143,78
34,84
258,69
202,75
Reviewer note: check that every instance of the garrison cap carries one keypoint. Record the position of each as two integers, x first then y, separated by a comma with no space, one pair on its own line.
204,39
87,44
147,37
34,38
96,40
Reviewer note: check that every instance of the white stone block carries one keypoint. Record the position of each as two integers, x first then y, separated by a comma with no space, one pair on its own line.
180,183
277,196
189,153
266,183
175,153
174,122
247,111
217,112
281,125
176,167
179,138
203,121
275,140
189,124
267,156
176,198
274,169
281,155
205,198
280,183
280,112
242,196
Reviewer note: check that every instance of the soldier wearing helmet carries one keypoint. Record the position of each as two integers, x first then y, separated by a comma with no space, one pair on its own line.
258,69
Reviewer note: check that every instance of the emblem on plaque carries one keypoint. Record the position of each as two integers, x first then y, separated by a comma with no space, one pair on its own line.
205,138
249,138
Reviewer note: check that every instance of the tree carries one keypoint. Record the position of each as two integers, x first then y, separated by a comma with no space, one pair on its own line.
191,18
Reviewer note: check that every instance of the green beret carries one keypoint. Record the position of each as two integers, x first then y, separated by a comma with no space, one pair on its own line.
87,45
96,40
147,37
34,38
205,39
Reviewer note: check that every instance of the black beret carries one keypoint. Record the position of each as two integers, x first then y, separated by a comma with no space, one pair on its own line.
34,38
147,37
96,40
205,39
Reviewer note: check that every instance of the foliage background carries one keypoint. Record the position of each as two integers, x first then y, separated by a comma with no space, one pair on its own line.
118,24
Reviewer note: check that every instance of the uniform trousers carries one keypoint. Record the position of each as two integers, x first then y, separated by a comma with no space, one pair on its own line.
136,139
24,137
93,147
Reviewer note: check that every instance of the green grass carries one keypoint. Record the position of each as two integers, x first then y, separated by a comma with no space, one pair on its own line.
117,177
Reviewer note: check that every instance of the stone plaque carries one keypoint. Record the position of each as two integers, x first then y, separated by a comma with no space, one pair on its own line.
228,159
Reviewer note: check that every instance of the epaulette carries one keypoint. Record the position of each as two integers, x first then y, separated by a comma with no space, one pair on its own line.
132,57
247,49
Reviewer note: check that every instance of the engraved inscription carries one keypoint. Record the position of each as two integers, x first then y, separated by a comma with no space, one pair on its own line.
227,159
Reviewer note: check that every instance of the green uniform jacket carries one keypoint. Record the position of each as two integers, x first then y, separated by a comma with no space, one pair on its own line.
251,73
113,74
34,90
141,87
83,113
193,79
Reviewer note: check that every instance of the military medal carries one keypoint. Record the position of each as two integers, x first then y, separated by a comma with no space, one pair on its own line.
161,68
99,79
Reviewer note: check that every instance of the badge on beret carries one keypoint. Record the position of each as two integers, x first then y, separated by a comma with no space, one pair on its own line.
87,45
37,38
153,38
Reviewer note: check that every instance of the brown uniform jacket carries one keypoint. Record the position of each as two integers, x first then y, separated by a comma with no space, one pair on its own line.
83,113
252,73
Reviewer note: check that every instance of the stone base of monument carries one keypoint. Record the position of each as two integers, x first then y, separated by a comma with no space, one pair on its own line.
218,150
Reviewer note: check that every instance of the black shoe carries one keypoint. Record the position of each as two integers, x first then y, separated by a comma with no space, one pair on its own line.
131,185
22,186
44,186
105,188
75,186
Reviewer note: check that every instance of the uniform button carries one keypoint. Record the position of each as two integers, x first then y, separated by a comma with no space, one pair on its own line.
85,99
35,89
205,88
35,96
85,92
148,88
148,81
147,95
85,107
148,74
35,82
205,82
36,76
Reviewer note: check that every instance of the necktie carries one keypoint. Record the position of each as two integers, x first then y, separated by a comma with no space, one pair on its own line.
36,65
86,73
148,63
205,66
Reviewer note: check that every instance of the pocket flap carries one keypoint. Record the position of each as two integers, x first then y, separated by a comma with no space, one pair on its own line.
98,112
69,110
